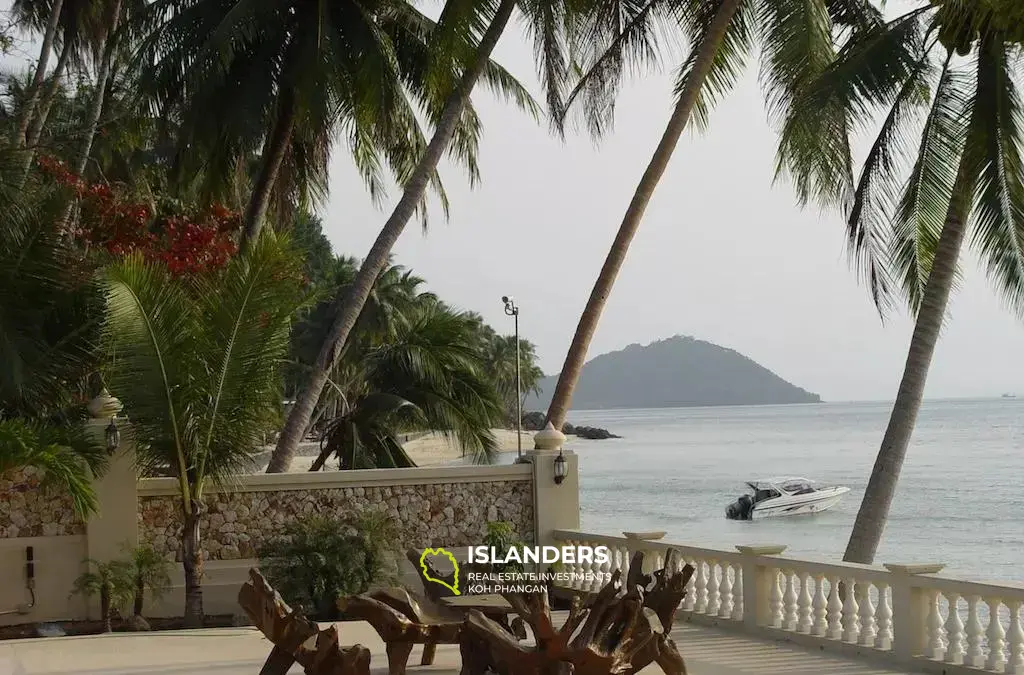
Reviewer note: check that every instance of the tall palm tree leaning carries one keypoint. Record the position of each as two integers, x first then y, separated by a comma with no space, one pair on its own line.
26,8
797,40
953,63
377,258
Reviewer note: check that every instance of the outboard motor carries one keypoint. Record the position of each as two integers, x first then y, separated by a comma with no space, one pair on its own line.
741,509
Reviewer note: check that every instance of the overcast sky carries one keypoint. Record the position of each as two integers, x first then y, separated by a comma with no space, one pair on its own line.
722,255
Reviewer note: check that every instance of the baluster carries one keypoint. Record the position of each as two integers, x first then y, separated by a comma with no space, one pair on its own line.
702,586
1015,652
737,593
995,634
851,629
690,599
835,610
954,631
624,556
883,618
933,626
789,601
820,624
725,591
714,597
803,624
866,615
975,657
775,598
606,572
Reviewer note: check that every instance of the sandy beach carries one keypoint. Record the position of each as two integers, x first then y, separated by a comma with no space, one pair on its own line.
430,450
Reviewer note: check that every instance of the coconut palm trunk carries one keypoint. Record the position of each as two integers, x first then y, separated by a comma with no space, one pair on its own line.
96,107
274,151
192,562
874,508
38,122
37,78
105,607
377,259
574,360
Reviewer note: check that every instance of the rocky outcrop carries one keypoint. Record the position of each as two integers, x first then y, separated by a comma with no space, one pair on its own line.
447,514
534,421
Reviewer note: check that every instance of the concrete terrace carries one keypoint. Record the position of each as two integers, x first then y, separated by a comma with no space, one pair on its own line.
241,651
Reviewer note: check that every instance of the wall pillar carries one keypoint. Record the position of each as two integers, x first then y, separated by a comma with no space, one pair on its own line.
556,506
909,610
758,581
113,530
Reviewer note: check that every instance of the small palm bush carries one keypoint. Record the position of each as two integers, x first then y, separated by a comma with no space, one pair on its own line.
319,558
149,573
113,581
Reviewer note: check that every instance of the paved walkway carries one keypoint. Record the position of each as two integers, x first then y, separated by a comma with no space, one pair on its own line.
241,651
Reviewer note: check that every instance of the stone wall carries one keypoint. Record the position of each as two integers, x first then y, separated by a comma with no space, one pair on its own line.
26,510
237,523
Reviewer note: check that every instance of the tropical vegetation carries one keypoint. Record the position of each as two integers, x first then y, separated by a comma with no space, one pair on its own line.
162,163
110,580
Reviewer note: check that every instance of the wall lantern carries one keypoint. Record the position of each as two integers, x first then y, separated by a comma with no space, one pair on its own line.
560,469
113,436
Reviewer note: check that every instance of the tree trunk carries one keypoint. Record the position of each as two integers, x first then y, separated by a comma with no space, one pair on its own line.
37,79
105,608
140,596
96,106
377,258
874,509
707,50
192,561
274,150
38,122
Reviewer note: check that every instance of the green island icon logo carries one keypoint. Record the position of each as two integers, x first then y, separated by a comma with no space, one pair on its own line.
426,569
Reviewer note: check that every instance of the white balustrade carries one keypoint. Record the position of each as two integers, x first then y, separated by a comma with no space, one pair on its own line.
906,613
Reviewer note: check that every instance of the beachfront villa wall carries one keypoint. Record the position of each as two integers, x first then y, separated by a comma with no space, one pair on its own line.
434,506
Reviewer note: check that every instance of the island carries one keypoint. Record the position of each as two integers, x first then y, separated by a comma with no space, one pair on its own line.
676,372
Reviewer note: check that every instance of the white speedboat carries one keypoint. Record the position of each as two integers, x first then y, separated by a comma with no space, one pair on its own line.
789,496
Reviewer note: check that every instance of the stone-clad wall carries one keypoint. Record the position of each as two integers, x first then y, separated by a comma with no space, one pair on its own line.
26,510
438,514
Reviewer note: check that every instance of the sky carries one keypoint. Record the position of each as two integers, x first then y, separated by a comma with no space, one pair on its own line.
723,254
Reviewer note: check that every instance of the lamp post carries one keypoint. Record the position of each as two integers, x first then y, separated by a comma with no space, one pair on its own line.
512,309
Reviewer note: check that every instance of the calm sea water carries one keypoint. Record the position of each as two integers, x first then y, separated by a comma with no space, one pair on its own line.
960,499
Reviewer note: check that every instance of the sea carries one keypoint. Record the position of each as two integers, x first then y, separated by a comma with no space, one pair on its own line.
960,499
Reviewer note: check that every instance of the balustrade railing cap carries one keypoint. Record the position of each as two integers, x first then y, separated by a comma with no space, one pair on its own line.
762,549
922,568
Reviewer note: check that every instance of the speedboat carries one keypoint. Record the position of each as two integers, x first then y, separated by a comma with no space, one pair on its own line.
789,496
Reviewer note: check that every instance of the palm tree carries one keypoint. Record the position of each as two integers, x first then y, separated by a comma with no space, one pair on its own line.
430,374
500,355
198,365
34,12
149,573
112,581
471,30
944,76
285,90
797,43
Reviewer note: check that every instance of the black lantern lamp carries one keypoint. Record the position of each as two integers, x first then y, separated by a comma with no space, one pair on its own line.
560,469
113,436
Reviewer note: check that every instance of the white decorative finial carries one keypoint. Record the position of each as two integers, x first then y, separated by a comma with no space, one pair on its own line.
548,439
104,405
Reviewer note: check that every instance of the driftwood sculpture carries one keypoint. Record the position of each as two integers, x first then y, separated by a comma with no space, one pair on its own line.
621,630
296,639
402,621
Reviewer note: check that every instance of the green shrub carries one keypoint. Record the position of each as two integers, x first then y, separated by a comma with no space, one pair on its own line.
112,581
319,558
502,535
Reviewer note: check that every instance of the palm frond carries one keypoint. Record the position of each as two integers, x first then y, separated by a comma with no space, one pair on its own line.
994,155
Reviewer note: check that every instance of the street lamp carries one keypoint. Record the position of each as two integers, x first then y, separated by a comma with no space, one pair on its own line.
112,436
512,309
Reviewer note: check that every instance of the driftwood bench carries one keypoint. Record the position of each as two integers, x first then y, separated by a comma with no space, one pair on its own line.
296,639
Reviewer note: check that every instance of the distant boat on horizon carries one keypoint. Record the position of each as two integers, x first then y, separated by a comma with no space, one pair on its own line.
1009,396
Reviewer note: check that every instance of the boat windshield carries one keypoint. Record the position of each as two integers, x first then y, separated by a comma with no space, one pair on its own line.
798,487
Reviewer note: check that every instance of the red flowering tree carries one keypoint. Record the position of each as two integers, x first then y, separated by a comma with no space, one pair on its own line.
187,241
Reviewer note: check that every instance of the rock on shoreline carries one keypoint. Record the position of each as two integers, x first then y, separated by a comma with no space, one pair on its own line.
534,421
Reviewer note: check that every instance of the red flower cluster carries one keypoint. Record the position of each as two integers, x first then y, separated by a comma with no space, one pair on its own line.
186,244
